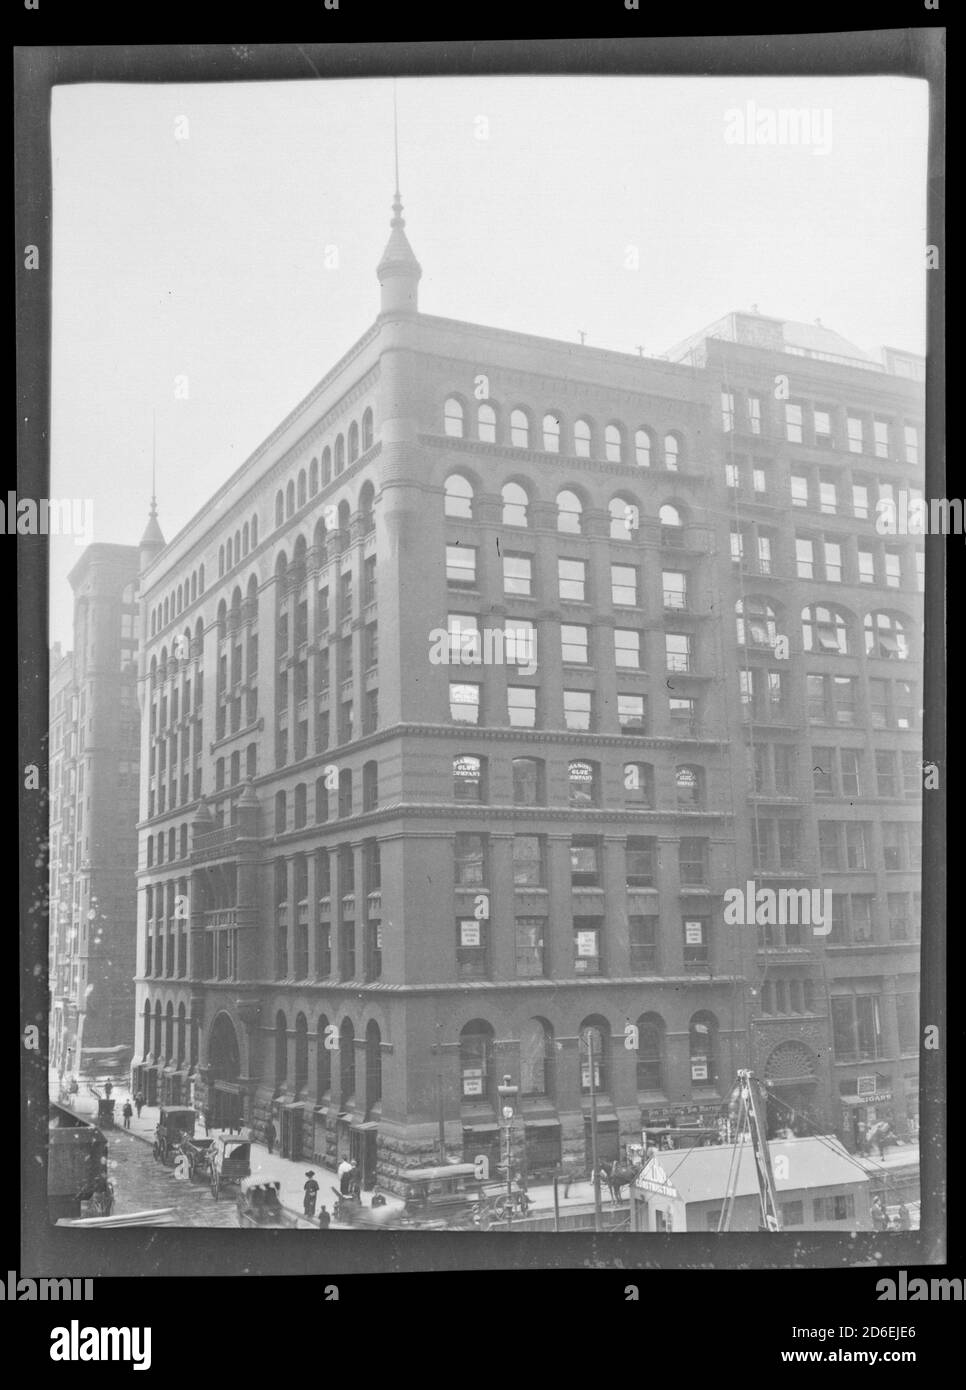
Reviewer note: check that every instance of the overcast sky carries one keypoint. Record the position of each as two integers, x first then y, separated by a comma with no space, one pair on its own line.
205,257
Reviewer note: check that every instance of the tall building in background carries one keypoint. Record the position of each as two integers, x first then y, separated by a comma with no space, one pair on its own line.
463,710
94,782
815,440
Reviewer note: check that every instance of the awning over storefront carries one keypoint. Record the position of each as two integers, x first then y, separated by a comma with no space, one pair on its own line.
541,1124
480,1128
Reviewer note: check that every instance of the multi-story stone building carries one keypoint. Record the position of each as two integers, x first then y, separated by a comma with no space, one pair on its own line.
443,762
93,816
816,440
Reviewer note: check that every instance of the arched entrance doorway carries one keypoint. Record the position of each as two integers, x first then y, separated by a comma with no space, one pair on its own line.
790,1085
224,1063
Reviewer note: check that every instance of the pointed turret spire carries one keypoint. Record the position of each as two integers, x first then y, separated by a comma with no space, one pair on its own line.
152,542
399,271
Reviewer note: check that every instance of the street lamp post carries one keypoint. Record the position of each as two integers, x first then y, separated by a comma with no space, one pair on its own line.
508,1094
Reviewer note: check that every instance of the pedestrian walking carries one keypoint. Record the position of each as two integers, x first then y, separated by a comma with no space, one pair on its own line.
206,1120
108,1088
355,1182
127,1111
344,1173
311,1190
880,1219
271,1134
905,1220
325,1219
139,1103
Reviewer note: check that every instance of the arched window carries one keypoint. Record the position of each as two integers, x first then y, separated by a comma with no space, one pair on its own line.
672,529
313,477
319,543
569,512
236,552
824,630
222,621
582,782
519,429
373,1065
625,518
353,442
367,435
245,539
158,1040
279,508
756,621
703,1039
515,503
551,434
688,782
613,444
345,792
201,568
146,1033
321,801
302,490
476,1061
650,1053
642,448
301,1053
339,454
366,497
669,516
885,637
639,784
582,439
280,813
347,1061
594,1035
323,1060
299,805
289,499
326,465
467,777
486,424
458,497
281,1050
453,418
221,563
370,786
672,452
536,1058
299,562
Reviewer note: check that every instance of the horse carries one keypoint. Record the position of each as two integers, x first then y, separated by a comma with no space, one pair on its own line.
619,1178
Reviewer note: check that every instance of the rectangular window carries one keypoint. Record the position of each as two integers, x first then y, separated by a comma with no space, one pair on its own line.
584,862
854,431
468,858
911,438
464,703
893,569
759,481
737,545
911,777
518,574
643,932
828,500
572,580
799,490
696,952
527,861
754,414
878,702
885,773
860,501
641,857
623,586
678,649
822,771
866,567
921,571
631,714
804,560
727,411
880,435
684,714
843,699
822,422
587,959
369,580
793,423
578,709
833,563
627,648
521,703
693,861
345,594
732,476
471,944
850,759
574,644
461,566
856,845
530,934
675,587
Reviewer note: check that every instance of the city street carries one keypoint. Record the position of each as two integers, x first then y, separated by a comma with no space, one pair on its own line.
143,1184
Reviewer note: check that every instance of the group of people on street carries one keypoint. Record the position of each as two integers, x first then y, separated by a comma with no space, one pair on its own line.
882,1221
350,1179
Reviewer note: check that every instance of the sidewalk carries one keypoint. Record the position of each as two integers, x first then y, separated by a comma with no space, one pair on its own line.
268,1167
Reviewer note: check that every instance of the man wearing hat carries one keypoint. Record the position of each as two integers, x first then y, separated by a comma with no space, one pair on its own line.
311,1190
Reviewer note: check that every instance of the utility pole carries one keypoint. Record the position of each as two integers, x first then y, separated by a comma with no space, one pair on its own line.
438,1049
593,1128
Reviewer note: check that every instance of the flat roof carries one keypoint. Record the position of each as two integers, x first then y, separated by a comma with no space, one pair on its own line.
701,1175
